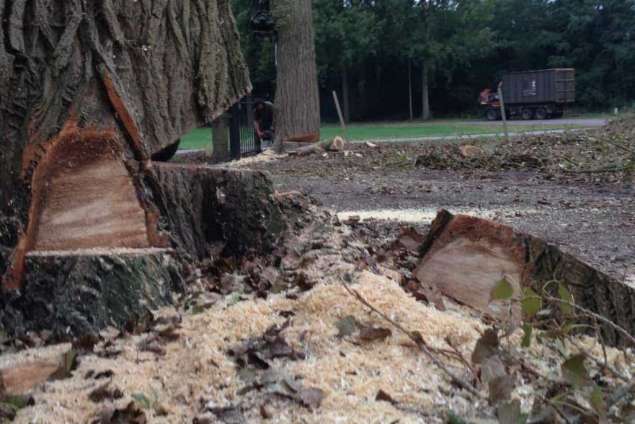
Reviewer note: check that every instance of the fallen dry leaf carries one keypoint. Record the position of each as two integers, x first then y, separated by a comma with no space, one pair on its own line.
131,414
105,392
370,334
382,396
486,346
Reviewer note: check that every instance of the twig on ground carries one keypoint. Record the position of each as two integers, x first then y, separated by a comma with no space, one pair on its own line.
620,146
608,169
599,363
595,316
419,341
457,353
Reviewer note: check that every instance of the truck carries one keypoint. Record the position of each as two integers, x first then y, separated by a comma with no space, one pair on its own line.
541,94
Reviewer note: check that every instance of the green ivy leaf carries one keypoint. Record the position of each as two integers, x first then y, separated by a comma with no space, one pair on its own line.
597,401
574,370
18,401
510,413
142,400
346,326
68,362
531,303
567,328
455,419
502,291
528,330
566,298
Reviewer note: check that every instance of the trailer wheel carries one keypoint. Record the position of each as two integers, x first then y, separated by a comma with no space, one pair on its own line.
492,115
527,114
541,113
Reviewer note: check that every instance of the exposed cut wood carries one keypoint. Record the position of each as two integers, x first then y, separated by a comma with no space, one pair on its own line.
89,200
20,375
469,151
336,144
466,257
467,271
303,138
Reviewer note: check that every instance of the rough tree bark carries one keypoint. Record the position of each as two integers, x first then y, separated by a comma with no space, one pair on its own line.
425,93
297,112
90,92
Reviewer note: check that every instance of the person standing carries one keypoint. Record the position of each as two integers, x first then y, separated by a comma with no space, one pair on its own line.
263,120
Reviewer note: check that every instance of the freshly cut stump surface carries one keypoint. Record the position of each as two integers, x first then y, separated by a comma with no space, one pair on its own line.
91,204
21,373
466,257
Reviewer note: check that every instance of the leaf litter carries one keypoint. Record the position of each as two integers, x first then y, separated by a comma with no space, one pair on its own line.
307,354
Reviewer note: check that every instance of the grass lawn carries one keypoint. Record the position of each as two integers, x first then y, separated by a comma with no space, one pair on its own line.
201,138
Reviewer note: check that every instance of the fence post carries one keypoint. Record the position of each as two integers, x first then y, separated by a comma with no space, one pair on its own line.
250,125
234,132
503,111
220,137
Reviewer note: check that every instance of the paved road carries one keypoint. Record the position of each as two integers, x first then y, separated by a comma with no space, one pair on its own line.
460,138
585,122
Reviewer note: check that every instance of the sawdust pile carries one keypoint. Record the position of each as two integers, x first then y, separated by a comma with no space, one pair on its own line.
295,346
197,370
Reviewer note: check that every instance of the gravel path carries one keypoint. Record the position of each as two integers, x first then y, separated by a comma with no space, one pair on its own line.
595,221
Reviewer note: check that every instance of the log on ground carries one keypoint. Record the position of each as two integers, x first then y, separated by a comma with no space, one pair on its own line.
79,293
20,374
466,257
336,144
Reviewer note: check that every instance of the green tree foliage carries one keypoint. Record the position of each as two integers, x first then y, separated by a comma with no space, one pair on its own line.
465,45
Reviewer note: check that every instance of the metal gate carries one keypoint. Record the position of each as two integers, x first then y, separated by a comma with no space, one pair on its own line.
242,136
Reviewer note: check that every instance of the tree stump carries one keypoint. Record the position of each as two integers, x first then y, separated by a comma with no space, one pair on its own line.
466,257
220,211
90,93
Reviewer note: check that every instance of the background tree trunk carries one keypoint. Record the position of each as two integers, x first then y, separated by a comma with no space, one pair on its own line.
410,108
297,111
346,96
425,94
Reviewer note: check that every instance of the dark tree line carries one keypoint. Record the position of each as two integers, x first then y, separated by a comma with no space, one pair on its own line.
391,59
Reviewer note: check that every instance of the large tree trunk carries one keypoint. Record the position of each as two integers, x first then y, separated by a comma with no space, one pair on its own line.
297,111
90,92
425,93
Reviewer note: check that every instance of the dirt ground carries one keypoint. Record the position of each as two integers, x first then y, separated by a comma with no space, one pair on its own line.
292,344
589,216
282,337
